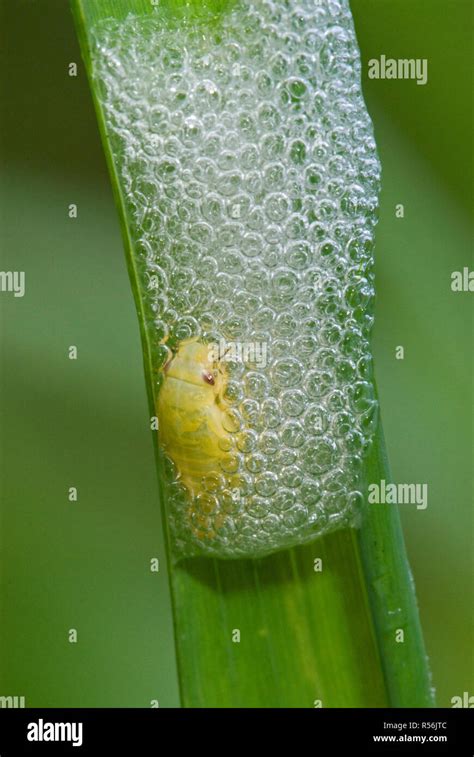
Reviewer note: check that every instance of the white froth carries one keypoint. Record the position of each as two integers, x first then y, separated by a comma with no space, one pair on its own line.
248,165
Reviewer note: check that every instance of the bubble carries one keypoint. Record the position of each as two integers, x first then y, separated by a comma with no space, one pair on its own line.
287,372
313,177
298,152
274,176
231,421
315,420
266,485
293,402
271,413
269,443
279,66
272,146
251,245
318,383
212,208
292,434
263,83
206,504
258,507
284,285
285,325
268,115
293,90
284,500
248,167
319,455
229,183
276,207
310,492
298,255
291,477
256,385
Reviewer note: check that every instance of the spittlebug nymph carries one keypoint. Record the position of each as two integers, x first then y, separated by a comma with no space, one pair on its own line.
190,411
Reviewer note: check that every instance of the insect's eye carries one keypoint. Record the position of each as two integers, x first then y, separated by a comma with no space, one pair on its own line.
208,378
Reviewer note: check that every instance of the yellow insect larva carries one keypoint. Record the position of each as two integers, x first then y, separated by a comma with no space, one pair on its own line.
191,413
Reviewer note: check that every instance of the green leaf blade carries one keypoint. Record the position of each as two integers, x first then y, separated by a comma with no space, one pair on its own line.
305,636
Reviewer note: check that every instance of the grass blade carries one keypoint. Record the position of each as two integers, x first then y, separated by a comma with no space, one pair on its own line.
392,595
276,631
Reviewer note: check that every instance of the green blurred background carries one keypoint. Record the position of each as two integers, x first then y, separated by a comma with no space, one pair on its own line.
86,564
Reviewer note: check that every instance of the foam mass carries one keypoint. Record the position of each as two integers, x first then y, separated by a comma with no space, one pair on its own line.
248,166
